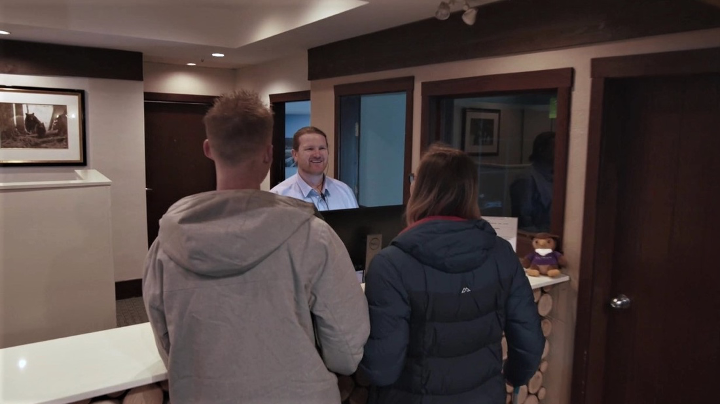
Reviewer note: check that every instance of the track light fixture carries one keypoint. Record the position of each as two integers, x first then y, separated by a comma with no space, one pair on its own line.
468,16
443,11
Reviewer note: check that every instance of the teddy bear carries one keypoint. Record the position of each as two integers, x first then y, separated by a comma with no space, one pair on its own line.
545,260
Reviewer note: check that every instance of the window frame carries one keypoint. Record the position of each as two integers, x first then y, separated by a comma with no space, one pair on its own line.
393,85
277,103
560,80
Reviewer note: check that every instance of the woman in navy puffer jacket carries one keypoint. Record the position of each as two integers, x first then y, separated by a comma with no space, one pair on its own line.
441,296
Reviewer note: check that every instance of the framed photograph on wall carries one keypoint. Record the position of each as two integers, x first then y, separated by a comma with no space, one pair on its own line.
481,132
42,126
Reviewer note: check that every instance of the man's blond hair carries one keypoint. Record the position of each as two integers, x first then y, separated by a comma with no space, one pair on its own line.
238,125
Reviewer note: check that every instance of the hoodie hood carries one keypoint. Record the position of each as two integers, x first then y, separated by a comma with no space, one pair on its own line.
222,233
452,246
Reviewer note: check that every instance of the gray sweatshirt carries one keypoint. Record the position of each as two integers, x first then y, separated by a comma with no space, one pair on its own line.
253,299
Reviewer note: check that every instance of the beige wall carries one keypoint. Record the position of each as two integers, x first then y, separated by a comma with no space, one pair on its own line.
114,122
56,263
275,77
578,58
195,80
279,76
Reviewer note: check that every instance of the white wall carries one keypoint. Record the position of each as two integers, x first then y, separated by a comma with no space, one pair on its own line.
114,122
323,104
276,77
195,80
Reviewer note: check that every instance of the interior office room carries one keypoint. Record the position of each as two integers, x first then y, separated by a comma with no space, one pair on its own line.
101,132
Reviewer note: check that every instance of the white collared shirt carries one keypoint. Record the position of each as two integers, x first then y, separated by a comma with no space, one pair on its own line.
335,195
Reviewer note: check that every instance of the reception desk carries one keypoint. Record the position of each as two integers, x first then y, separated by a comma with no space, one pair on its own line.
56,256
71,369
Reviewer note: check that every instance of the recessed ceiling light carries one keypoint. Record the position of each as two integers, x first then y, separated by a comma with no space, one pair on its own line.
218,55
191,64
4,32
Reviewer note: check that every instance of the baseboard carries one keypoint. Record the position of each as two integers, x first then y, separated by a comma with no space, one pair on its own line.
128,289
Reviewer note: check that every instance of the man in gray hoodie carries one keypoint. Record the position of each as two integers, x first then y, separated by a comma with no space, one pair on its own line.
251,297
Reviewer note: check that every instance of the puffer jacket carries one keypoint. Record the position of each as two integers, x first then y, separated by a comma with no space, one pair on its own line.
241,287
440,297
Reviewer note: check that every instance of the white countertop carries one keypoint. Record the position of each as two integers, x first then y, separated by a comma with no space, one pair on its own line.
542,281
80,178
89,365
537,281
83,366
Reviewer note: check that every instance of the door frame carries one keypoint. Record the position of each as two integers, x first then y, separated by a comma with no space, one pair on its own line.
171,99
277,103
133,287
588,375
394,85
560,80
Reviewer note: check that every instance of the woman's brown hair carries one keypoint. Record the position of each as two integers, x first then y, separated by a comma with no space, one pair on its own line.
446,184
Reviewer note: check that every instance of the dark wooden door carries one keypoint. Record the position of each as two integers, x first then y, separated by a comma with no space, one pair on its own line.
660,171
175,165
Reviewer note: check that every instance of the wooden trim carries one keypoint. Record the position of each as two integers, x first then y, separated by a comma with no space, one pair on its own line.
128,289
183,98
560,80
277,103
277,170
42,59
433,91
290,97
408,145
533,80
600,207
336,137
393,85
508,28
658,64
583,329
427,103
562,146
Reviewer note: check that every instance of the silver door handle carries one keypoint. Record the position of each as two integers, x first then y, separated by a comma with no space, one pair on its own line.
621,302
148,189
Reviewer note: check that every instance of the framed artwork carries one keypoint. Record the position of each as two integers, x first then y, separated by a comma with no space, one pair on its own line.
481,132
42,126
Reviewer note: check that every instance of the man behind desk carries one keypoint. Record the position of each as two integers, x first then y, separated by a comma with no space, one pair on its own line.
241,283
310,184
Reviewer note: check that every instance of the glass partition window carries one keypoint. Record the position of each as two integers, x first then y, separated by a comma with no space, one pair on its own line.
372,147
297,115
512,140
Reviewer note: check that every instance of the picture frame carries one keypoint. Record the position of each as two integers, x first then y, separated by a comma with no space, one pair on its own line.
42,126
481,131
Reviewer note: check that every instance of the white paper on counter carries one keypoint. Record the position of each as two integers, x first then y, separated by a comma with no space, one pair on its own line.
505,227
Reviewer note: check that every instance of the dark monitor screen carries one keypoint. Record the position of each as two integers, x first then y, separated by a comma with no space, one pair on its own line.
353,226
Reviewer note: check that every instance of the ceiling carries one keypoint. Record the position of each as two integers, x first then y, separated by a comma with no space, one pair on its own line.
181,31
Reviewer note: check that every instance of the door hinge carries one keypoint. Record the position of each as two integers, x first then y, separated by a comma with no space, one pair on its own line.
357,129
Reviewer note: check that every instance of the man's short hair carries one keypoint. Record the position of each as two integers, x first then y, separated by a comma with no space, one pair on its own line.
305,131
238,125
